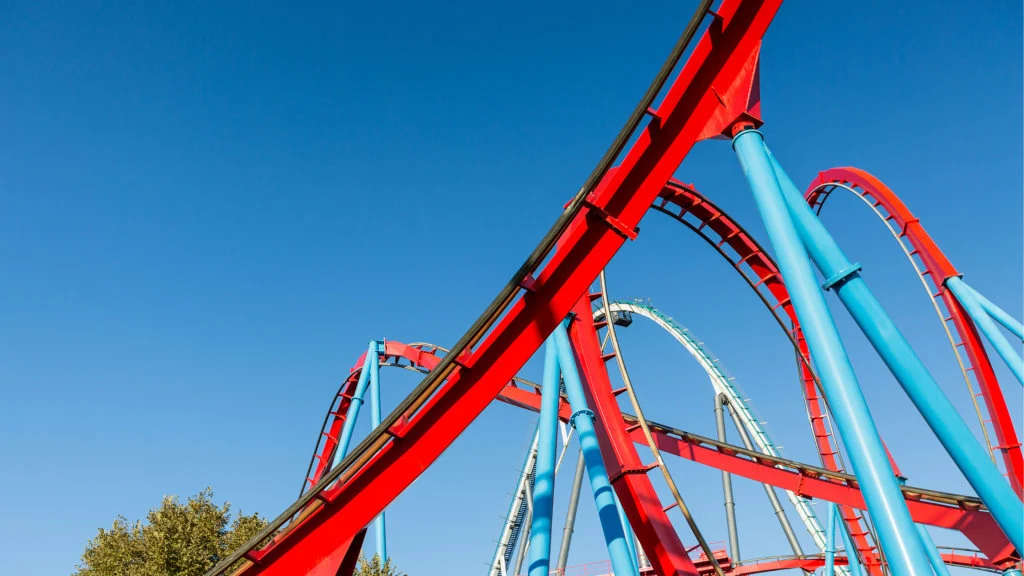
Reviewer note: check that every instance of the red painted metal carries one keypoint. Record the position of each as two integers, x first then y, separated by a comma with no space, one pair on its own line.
584,249
628,474
692,209
965,516
937,269
809,564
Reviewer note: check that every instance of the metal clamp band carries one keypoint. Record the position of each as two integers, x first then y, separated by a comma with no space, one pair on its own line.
842,276
585,412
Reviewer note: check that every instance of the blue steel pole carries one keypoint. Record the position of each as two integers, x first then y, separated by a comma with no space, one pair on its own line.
998,314
852,560
938,566
830,542
937,410
977,312
353,407
582,420
628,531
544,477
888,510
379,528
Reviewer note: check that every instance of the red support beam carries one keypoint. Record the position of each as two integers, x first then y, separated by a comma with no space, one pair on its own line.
977,525
939,268
625,470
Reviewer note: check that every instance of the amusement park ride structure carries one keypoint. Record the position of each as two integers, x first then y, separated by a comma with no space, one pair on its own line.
551,301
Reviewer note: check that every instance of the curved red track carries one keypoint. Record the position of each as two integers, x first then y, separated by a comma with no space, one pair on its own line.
944,510
937,268
695,211
752,262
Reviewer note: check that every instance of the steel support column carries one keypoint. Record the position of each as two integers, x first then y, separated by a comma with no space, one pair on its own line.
938,566
730,503
570,515
974,308
544,480
380,531
897,535
582,420
942,417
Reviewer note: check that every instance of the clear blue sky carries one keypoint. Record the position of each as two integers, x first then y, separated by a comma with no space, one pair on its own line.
207,210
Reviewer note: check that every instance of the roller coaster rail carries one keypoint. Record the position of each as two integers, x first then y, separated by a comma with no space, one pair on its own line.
558,299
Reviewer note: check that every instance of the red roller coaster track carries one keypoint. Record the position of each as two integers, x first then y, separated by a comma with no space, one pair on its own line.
951,511
717,86
934,269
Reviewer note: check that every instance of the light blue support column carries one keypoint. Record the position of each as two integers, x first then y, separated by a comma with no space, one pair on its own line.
938,566
981,318
998,314
888,511
377,348
353,407
940,414
628,531
583,421
830,542
544,478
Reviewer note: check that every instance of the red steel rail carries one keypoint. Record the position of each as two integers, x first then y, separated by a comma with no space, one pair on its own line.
952,511
936,269
381,467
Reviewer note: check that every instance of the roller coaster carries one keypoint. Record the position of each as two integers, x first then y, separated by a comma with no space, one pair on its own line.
558,301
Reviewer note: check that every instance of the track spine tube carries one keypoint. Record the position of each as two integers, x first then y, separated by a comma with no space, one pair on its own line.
544,479
942,417
380,530
966,295
353,409
897,535
583,421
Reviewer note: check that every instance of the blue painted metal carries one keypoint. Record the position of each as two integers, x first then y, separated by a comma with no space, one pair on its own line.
940,414
353,407
377,347
938,566
852,560
628,531
888,510
998,314
976,310
1012,572
582,420
544,478
830,542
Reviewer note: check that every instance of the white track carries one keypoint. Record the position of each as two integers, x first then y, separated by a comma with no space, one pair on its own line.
722,385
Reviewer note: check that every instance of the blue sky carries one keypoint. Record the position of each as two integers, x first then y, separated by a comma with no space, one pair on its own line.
208,210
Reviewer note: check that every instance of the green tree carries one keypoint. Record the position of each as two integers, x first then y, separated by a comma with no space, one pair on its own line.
374,567
177,539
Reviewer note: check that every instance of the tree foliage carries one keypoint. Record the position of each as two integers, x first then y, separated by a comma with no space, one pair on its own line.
374,567
177,539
